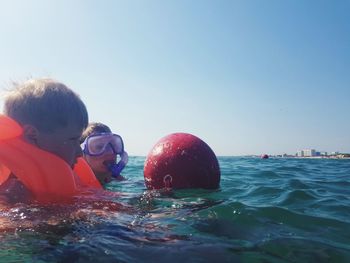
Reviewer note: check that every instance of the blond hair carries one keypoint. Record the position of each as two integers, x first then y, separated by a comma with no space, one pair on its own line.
94,127
45,104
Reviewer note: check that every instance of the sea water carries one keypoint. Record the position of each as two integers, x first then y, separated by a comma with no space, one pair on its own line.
266,210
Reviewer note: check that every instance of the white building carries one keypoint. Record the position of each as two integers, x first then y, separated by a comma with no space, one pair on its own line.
300,153
306,153
309,152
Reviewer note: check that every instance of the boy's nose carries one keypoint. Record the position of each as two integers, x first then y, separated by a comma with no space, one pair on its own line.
79,152
109,148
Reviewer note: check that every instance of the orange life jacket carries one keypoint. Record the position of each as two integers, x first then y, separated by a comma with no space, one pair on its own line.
47,176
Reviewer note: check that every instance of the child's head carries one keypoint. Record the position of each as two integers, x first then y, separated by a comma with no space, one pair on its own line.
53,117
98,163
93,128
101,149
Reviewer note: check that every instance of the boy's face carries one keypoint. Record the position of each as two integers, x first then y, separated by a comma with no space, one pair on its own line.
63,142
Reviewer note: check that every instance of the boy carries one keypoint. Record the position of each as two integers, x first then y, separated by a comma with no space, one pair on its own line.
53,118
100,149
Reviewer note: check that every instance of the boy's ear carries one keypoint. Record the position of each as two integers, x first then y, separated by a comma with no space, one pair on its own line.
30,134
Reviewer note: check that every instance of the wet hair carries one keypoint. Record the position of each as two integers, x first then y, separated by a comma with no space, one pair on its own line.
94,127
45,104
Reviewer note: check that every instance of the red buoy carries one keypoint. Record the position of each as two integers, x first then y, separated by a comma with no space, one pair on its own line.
181,160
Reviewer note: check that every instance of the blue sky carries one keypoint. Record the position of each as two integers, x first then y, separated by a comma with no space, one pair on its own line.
247,77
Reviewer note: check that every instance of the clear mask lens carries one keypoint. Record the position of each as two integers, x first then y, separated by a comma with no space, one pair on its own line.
100,143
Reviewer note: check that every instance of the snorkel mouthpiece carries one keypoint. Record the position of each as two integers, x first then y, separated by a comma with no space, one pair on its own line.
116,168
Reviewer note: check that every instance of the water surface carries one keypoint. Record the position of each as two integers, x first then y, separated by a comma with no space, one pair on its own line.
266,210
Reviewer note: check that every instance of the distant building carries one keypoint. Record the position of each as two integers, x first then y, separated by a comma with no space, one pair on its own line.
309,152
314,153
300,153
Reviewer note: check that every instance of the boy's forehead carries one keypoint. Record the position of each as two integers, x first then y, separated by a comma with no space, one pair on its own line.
71,130
76,124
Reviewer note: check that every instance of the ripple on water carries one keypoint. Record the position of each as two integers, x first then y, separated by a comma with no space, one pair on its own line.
304,250
297,197
297,184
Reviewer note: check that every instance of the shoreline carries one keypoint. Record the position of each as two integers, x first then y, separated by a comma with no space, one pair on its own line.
288,157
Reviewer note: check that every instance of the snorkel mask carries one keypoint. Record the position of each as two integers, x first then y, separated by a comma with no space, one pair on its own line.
99,143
